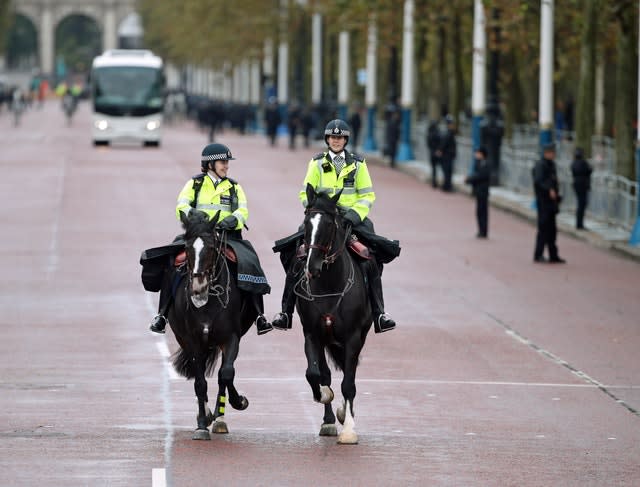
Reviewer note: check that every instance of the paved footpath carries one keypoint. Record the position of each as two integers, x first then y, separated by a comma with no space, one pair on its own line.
501,372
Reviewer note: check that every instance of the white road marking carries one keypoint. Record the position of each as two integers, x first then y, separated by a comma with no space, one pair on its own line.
158,477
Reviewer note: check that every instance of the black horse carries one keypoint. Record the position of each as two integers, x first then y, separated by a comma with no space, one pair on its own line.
209,316
333,305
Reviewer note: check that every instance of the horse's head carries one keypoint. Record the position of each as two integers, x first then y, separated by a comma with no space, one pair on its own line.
322,229
201,246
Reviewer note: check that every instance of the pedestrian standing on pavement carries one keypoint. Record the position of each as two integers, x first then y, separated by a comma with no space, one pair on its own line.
479,179
447,153
433,144
272,119
393,136
213,192
545,183
581,171
340,171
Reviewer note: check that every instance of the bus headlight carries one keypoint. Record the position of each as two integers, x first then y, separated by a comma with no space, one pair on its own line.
153,125
102,124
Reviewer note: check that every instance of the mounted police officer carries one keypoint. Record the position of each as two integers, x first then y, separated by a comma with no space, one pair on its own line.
212,191
332,171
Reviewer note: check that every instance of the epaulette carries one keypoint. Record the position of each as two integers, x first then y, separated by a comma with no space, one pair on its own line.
198,176
232,181
357,157
319,156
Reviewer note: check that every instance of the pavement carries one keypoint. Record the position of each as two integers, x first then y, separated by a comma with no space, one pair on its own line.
600,234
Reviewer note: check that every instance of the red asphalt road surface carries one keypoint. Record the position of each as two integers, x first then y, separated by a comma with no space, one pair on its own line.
501,372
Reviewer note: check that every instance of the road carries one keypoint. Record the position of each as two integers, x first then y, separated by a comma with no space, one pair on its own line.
501,372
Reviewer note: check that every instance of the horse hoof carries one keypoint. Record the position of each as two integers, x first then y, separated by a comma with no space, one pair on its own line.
350,438
244,403
328,430
220,428
201,434
340,414
326,394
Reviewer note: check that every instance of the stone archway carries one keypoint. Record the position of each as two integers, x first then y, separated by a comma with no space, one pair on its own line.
22,45
47,14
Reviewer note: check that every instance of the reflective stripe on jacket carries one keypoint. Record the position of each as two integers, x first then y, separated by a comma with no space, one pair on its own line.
354,180
212,199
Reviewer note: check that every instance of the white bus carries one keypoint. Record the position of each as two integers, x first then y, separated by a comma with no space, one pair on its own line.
127,93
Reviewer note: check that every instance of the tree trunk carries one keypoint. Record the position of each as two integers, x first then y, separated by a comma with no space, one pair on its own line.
626,91
585,104
456,58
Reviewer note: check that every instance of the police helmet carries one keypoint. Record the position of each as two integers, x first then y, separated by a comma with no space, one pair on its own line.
337,127
215,152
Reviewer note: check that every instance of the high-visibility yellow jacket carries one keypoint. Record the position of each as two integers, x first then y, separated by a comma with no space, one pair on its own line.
354,180
211,199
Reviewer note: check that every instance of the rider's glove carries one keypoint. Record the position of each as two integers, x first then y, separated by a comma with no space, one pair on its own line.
352,218
229,223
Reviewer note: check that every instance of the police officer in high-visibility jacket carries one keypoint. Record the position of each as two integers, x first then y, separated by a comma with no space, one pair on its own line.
212,191
332,171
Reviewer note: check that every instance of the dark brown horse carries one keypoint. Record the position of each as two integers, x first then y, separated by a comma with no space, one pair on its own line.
333,305
209,317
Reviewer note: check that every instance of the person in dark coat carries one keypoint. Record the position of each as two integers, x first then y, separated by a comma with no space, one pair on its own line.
447,153
545,183
433,143
581,171
480,179
393,136
272,119
355,122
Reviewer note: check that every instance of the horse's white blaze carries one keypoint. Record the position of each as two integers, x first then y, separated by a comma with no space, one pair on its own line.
315,223
198,245
348,434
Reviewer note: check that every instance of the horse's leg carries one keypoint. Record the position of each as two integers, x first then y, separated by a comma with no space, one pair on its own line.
227,373
200,386
321,393
219,424
346,416
328,427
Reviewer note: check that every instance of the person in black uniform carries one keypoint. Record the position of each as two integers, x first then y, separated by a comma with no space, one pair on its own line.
545,183
479,179
433,144
581,171
447,153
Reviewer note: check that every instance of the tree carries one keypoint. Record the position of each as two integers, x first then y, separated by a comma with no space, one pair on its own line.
585,104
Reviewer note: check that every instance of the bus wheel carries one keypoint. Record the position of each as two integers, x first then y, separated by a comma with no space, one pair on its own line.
100,142
152,143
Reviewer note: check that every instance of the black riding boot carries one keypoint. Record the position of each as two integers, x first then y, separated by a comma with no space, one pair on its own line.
165,300
282,320
262,325
159,322
381,321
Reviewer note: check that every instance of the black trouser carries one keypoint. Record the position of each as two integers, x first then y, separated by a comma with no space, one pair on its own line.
546,234
582,198
482,214
435,161
447,171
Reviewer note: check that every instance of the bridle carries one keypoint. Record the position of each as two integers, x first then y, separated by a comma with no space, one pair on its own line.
329,258
213,273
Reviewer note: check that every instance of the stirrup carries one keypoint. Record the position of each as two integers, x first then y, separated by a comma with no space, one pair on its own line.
158,324
383,323
282,321
263,328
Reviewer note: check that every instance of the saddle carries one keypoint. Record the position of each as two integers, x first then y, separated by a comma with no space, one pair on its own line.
355,246
181,258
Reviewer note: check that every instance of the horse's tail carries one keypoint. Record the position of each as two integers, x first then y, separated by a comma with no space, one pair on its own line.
183,363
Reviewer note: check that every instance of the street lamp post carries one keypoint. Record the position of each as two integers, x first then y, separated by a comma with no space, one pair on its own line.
493,125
